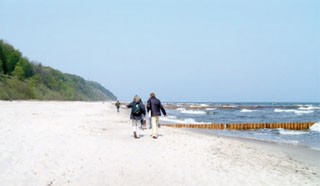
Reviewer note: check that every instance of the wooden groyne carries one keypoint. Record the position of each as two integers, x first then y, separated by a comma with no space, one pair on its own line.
246,126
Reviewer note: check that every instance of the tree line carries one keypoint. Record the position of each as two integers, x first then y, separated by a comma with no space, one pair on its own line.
22,79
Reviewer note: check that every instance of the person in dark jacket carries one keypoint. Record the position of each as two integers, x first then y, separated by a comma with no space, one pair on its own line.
138,112
155,107
118,104
143,118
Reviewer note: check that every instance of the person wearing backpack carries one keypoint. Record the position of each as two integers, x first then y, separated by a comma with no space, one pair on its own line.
155,107
138,111
142,119
118,104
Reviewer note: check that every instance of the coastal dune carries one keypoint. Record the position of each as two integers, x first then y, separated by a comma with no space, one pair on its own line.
88,143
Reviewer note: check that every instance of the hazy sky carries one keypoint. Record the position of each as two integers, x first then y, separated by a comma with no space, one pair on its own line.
226,50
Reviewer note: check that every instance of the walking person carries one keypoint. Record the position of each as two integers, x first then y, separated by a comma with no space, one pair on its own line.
143,118
138,111
155,107
118,106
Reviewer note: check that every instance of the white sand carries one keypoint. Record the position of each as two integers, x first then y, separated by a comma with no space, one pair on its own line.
89,144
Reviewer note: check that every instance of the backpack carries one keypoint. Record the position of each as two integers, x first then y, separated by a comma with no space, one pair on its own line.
136,109
117,104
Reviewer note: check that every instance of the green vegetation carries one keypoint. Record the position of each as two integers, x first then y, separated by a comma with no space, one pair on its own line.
22,79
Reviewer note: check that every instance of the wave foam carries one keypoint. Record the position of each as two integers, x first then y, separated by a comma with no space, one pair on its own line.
209,109
291,132
229,106
199,112
315,127
298,112
185,111
308,107
199,105
174,119
247,110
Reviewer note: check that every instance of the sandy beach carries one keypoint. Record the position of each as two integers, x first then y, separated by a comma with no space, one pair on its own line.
89,144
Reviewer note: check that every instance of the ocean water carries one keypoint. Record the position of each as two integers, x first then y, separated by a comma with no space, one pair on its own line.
252,113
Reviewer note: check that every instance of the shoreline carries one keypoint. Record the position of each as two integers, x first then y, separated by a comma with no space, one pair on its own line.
299,152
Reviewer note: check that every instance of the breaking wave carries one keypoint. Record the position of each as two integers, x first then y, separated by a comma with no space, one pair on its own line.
200,105
199,112
298,112
185,111
210,109
247,110
174,119
308,107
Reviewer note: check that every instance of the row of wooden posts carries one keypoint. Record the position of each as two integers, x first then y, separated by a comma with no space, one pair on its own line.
246,126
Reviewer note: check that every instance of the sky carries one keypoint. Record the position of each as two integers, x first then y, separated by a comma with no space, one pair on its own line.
183,50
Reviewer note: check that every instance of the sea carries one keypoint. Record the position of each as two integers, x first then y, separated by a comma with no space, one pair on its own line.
252,113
